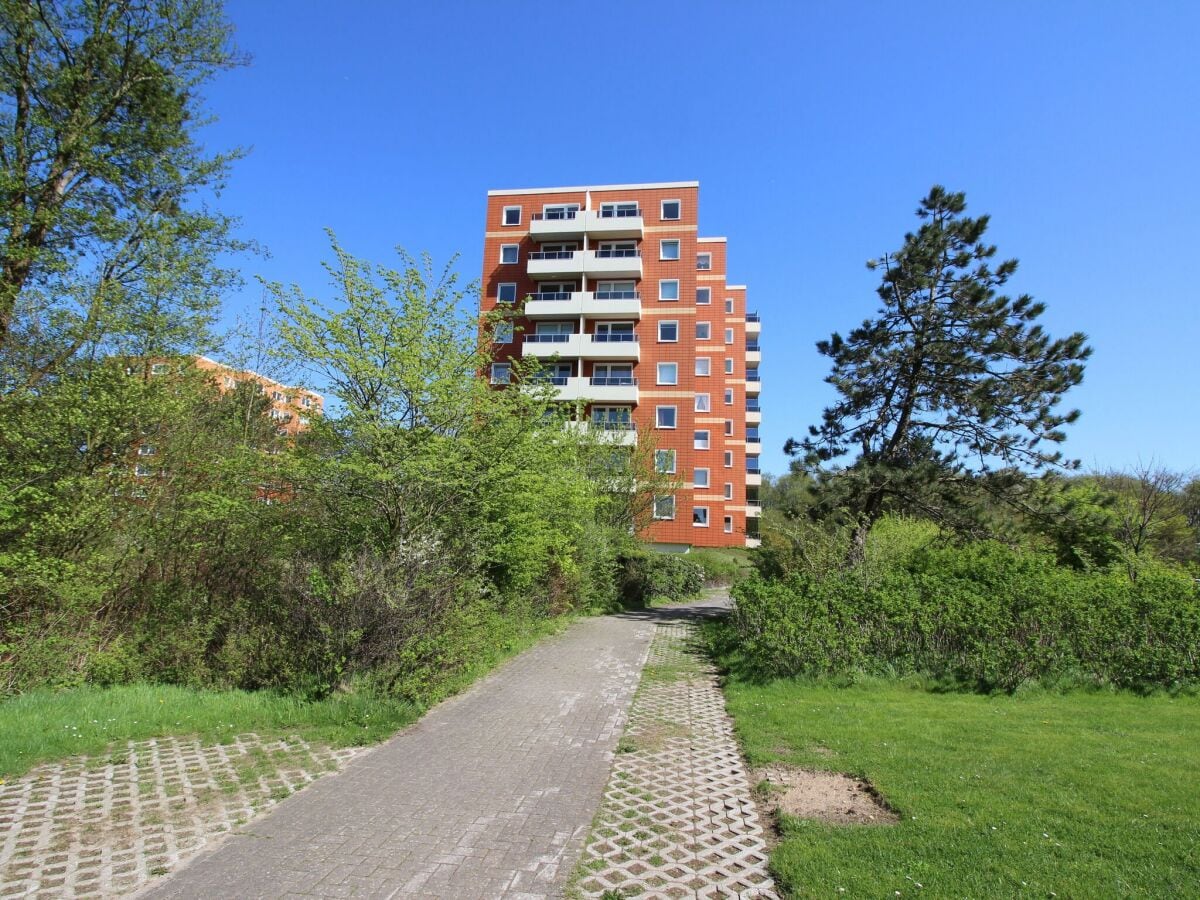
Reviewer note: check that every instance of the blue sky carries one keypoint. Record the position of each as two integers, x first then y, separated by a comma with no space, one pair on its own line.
813,128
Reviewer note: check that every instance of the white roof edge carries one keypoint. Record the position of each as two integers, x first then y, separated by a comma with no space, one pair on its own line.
735,287
229,368
716,240
514,192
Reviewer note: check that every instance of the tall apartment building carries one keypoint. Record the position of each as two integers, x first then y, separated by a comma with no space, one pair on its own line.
630,313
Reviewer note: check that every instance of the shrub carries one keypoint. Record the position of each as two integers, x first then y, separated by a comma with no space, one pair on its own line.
718,570
649,577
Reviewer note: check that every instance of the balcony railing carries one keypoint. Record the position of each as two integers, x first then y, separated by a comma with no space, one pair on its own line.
752,467
750,502
752,346
612,254
753,317
557,215
547,338
553,254
617,295
601,425
613,381
752,406
612,213
753,376
557,380
552,295
615,337
752,436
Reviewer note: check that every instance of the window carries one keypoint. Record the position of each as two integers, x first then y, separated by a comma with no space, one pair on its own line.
276,395
671,210
703,366
729,524
146,450
729,459
507,292
728,366
501,373
279,415
703,296
668,249
628,209
159,369
142,471
703,262
729,396
700,478
729,335
510,253
560,211
512,215
230,383
664,507
668,289
729,305
700,516
703,403
729,427
668,332
503,333
665,416
668,373
703,331
664,462
699,440
306,402
729,490
616,290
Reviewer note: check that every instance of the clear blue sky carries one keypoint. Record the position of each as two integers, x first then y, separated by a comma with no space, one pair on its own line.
814,129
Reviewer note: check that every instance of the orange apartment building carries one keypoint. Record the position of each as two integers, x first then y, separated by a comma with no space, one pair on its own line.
631,315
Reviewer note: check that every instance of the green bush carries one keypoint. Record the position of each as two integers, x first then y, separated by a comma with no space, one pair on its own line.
719,569
982,614
648,577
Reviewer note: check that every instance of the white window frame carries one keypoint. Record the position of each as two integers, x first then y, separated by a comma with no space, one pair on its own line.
729,396
662,211
704,331
701,513
674,373
696,477
701,443
729,306
703,366
729,365
160,369
703,402
663,340
277,396
146,450
729,490
703,296
729,524
516,249
729,428
669,468
659,410
728,335
503,334
497,368
141,471
663,498
708,266
662,249
565,207
504,217
230,383
662,284
306,402
729,459
500,291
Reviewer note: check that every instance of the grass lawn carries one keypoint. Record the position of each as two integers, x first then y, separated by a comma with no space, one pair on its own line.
1040,795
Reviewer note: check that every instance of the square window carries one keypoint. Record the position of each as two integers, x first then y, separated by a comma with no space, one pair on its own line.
729,396
729,459
665,416
700,440
729,335
728,366
512,215
671,210
664,462
703,403
510,253
729,490
503,333
668,332
729,524
668,250
668,373
668,289
664,507
703,331
729,305
501,373
700,478
507,292
703,366
703,262
703,296
700,516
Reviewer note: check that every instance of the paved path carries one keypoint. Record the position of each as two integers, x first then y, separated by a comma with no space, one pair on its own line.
490,795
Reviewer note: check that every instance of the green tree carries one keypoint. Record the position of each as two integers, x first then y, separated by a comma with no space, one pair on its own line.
105,235
951,379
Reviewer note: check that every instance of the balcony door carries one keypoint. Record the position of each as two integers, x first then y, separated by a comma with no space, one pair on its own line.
612,373
555,327
616,290
556,290
617,249
560,211
619,210
613,332
614,418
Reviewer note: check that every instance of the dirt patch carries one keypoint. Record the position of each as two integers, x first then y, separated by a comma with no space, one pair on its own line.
824,796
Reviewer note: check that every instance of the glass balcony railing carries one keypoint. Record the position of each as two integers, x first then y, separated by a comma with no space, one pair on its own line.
619,212
556,215
752,375
553,254
613,381
547,338
615,337
552,296
752,467
752,406
602,425
617,254
752,346
617,295
543,378
753,317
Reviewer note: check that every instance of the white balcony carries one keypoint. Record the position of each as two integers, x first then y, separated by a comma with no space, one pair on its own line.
618,435
752,542
556,264
753,479
753,447
753,510
562,226
555,305
599,305
614,226
753,325
622,391
611,263
611,346
571,225
753,417
545,346
753,388
753,357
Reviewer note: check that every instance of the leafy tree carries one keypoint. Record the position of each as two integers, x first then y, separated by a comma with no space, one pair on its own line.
104,236
950,380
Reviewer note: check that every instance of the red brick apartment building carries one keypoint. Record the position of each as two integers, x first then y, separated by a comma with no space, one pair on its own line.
629,310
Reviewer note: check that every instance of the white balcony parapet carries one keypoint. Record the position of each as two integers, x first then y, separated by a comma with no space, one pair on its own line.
544,346
612,263
621,223
753,387
753,509
753,447
621,345
593,304
753,479
753,357
563,224
556,264
619,389
752,542
621,434
753,417
753,324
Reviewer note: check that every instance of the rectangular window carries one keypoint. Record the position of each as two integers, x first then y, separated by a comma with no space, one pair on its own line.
703,331
729,305
560,211
159,369
668,289
700,516
512,215
146,450
668,250
665,416
703,296
729,427
230,383
501,373
729,396
729,335
664,462
703,262
510,253
277,396
668,332
700,478
624,210
671,210
506,292
664,507
503,333
306,402
703,366
142,471
728,365
729,524
729,490
729,459
668,373
703,403
699,440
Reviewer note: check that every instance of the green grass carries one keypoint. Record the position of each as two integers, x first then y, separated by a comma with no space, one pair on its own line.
42,726
1083,794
